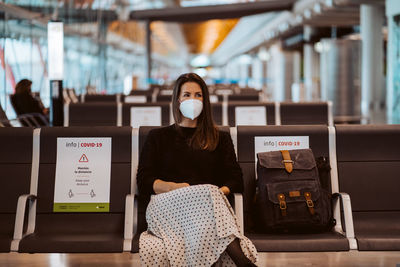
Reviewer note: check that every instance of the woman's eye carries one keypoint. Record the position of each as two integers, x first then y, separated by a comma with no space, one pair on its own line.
198,95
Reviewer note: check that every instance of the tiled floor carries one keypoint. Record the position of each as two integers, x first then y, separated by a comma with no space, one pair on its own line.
352,258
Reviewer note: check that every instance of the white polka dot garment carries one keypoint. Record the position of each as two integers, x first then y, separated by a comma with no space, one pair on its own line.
191,226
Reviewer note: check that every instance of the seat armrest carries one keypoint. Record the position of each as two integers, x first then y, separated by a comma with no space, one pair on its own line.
20,218
345,205
238,207
130,223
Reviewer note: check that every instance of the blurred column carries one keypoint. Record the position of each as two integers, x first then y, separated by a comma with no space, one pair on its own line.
393,61
244,74
257,73
148,52
55,39
372,97
311,66
102,54
276,73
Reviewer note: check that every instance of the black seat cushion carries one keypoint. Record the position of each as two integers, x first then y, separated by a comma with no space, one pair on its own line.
69,233
329,241
377,230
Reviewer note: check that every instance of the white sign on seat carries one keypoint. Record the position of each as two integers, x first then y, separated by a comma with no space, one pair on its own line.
145,116
166,92
276,143
256,115
213,98
83,173
135,99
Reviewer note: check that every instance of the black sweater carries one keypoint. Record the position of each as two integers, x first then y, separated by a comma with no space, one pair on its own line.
166,155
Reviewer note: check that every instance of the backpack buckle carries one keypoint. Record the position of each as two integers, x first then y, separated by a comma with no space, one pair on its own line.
287,161
310,203
282,204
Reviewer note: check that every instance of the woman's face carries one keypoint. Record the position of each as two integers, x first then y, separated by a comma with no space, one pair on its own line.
190,90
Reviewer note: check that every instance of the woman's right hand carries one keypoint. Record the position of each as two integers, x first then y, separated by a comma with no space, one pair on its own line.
160,186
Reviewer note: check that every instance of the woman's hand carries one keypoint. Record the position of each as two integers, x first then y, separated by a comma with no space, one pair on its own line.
160,186
224,189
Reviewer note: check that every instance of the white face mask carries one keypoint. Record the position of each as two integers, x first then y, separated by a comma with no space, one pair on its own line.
191,108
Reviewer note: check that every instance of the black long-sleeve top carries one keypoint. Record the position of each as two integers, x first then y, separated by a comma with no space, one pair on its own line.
166,155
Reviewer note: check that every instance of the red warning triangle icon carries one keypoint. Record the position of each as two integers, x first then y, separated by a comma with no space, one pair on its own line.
83,158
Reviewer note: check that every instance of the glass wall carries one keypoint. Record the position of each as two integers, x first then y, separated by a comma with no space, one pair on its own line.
23,55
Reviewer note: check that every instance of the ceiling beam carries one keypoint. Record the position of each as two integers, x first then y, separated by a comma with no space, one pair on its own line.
66,15
202,13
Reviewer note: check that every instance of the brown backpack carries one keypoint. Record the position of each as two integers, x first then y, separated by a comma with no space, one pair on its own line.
290,196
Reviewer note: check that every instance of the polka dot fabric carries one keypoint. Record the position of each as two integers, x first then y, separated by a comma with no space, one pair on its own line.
191,226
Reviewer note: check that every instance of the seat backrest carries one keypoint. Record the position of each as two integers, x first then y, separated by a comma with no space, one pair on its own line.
13,100
15,177
318,142
15,165
244,97
269,107
164,98
3,118
120,183
92,114
165,112
304,113
101,98
217,113
368,158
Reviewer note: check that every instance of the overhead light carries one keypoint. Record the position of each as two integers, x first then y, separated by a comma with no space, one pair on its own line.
202,72
318,47
245,59
299,19
329,3
283,27
307,13
200,61
263,54
317,8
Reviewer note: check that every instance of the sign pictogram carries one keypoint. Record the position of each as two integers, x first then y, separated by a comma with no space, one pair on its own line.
84,158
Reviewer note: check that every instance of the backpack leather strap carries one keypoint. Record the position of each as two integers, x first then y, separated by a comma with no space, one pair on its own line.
282,204
287,161
310,203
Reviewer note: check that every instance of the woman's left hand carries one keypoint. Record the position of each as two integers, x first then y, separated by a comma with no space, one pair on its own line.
225,190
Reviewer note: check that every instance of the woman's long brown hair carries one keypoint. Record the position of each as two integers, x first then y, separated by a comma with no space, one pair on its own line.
206,135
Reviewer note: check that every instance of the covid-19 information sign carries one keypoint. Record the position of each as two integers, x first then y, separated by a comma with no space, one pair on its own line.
83,171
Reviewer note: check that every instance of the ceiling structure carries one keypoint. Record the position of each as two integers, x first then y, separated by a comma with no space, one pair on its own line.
205,37
219,28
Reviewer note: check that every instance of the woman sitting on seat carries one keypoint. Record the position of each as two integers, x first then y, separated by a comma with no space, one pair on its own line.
23,100
186,170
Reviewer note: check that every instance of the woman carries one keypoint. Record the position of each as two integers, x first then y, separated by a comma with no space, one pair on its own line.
188,167
23,100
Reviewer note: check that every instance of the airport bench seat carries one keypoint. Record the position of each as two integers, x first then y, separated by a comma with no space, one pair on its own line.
369,167
86,232
334,240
